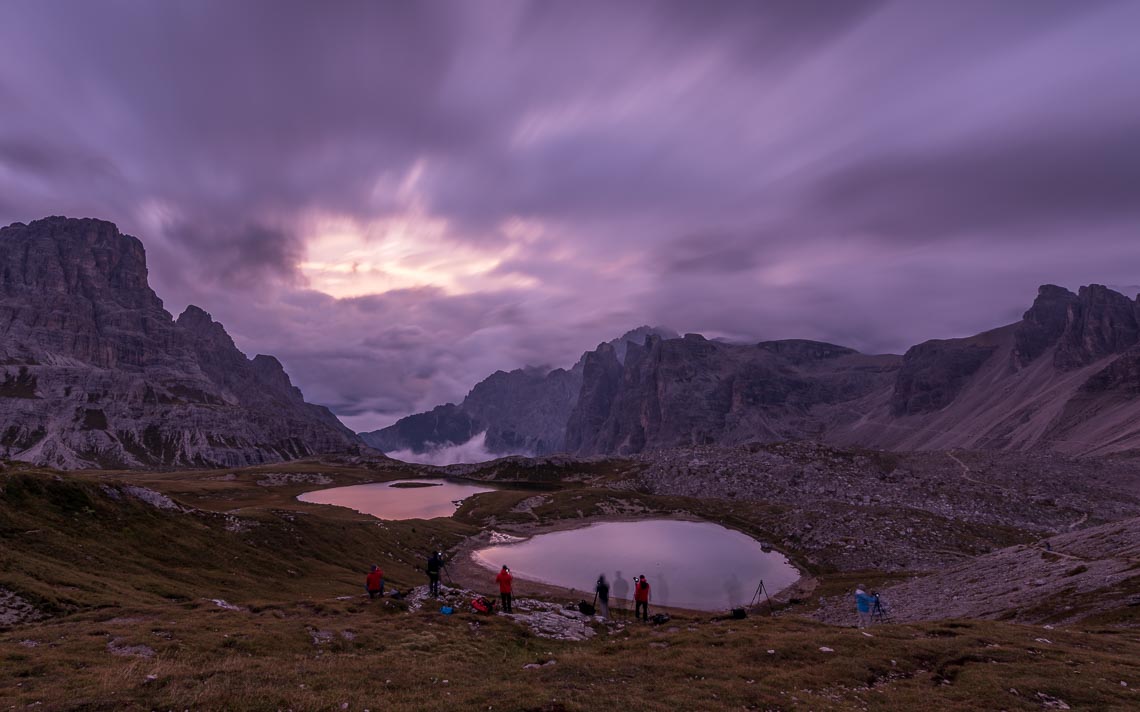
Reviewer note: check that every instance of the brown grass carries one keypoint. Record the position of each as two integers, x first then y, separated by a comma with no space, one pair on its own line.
123,571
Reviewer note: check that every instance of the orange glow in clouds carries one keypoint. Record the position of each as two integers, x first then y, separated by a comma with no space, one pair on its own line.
348,259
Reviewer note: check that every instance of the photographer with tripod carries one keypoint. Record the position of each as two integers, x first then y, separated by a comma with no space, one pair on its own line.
434,564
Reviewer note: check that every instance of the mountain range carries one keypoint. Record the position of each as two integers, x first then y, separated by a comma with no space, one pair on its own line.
94,372
1066,377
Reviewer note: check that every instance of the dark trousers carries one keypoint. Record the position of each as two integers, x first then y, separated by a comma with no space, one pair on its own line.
506,599
641,608
433,583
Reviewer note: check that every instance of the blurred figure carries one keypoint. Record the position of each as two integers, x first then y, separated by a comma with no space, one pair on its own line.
734,590
504,580
863,603
603,592
374,582
641,599
621,586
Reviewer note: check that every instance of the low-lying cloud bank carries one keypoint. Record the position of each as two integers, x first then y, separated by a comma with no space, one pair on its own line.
474,450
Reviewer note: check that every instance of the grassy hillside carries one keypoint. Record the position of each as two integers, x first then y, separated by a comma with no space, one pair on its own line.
129,587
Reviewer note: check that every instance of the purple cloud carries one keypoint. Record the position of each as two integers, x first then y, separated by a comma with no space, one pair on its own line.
490,185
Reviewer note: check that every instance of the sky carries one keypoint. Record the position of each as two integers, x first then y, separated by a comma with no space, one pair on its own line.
397,199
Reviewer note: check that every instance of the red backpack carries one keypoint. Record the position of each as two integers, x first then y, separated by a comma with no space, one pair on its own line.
482,605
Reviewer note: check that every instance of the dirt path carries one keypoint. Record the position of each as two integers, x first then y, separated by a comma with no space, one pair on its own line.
966,475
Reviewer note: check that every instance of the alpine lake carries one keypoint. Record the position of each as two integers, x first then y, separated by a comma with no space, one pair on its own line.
695,565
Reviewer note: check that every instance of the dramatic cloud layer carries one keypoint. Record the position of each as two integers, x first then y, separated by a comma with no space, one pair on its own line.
399,198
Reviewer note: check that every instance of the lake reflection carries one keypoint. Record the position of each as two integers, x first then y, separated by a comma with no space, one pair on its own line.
697,565
386,501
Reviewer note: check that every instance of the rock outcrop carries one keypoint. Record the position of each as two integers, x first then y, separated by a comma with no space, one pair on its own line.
94,372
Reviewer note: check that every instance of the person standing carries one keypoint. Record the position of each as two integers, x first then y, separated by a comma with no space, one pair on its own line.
374,582
603,591
863,604
434,562
504,580
641,598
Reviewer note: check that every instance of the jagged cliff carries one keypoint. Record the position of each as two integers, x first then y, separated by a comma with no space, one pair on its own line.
95,373
1066,378
692,391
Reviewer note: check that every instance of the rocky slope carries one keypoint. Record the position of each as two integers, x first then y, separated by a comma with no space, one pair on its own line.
95,373
1065,378
1061,580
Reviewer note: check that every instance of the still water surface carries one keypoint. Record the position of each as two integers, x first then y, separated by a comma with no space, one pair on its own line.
697,565
381,499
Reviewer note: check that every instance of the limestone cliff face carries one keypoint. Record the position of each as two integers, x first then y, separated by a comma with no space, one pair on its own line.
95,373
691,391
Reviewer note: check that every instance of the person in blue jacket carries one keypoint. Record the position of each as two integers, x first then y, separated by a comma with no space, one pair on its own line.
863,605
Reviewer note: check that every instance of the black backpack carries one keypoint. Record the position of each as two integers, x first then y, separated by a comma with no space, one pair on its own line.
585,608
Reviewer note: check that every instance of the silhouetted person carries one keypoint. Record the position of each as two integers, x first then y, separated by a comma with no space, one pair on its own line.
641,599
374,582
504,580
603,591
433,565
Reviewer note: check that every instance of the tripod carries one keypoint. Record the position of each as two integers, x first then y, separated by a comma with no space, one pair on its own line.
756,598
879,611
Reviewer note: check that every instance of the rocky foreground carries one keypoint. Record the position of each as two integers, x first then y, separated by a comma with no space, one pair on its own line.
1064,579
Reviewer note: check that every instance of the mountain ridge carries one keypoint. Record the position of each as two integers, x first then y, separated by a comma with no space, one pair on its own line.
1065,377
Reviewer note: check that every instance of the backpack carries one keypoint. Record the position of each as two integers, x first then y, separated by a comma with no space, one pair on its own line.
739,613
585,608
482,605
660,618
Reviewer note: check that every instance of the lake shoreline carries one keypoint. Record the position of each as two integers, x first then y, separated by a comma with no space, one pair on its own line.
476,574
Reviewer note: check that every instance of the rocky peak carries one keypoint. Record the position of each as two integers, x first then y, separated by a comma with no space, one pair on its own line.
268,370
1102,323
80,257
1087,326
200,325
1043,323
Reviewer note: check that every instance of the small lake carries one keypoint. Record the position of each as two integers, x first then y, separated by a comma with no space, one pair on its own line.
697,565
403,499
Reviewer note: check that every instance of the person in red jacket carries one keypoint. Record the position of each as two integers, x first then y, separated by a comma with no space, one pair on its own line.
374,583
504,580
641,598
